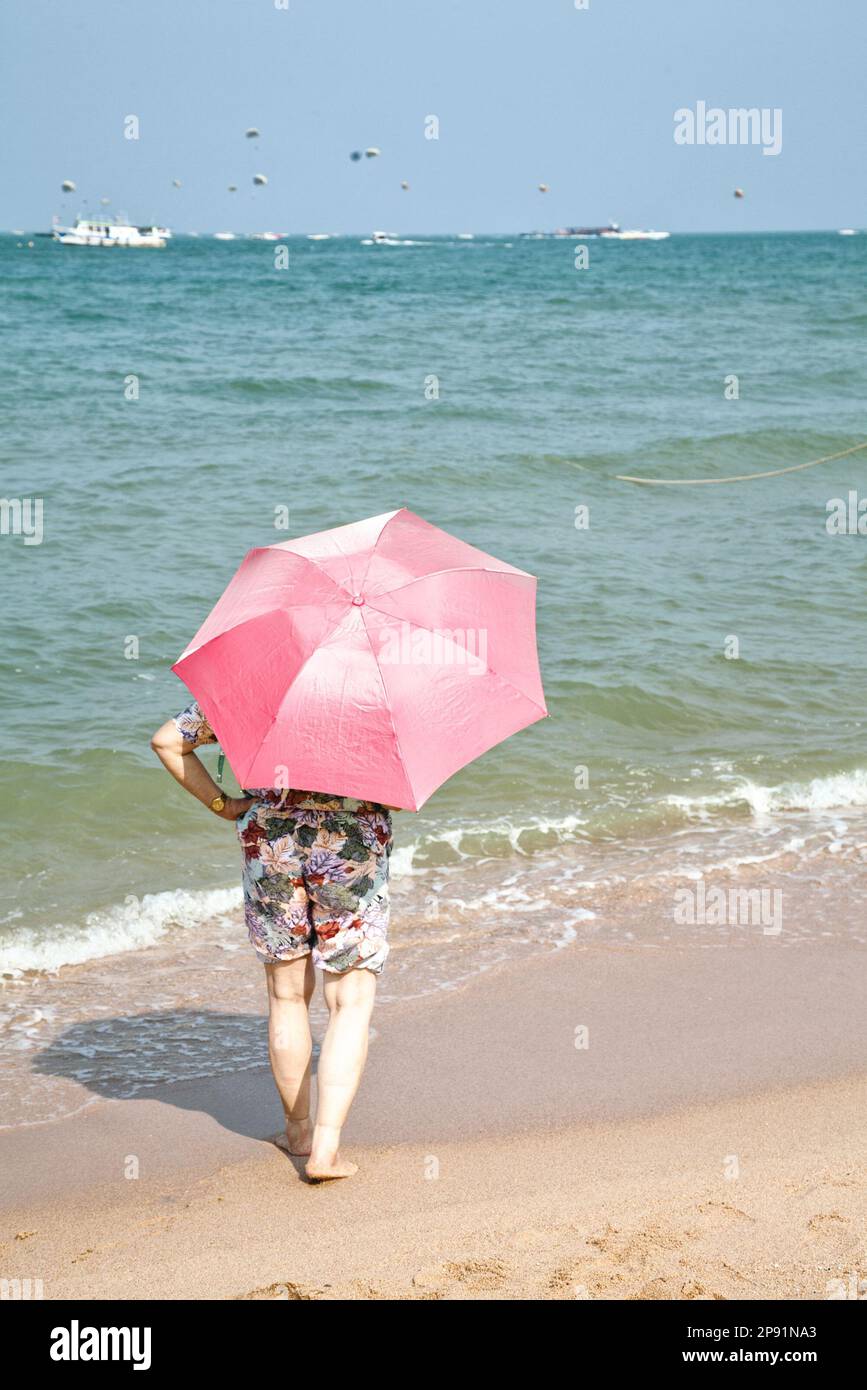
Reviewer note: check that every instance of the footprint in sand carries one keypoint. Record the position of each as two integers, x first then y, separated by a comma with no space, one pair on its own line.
826,1223
675,1290
849,1178
478,1276
570,1281
287,1292
623,1247
723,1213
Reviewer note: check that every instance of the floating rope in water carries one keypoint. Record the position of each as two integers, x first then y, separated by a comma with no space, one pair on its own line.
738,477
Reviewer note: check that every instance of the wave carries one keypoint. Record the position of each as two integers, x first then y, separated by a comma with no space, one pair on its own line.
485,839
301,386
128,926
140,922
836,792
137,923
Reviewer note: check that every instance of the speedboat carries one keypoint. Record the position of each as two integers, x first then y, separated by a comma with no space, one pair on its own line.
382,239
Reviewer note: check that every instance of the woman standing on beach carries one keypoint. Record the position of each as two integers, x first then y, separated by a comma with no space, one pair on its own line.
315,895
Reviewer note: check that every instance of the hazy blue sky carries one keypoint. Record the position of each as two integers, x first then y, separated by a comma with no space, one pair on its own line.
526,91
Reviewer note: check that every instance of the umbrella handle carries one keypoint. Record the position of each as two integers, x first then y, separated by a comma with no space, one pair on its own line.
221,763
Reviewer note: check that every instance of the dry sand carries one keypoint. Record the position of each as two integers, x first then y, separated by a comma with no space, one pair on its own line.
707,1143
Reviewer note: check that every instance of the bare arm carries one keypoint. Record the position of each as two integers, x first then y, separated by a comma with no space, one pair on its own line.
178,756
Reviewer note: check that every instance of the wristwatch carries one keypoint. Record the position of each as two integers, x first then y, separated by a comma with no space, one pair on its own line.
219,803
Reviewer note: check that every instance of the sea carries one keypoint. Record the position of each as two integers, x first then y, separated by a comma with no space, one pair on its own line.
702,646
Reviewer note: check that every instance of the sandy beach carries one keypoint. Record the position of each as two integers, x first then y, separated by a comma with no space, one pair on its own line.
693,1143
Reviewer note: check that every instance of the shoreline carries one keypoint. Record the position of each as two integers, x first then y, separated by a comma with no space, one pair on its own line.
477,1120
188,1005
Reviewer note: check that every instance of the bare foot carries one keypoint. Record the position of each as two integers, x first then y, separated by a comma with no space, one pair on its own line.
323,1170
298,1139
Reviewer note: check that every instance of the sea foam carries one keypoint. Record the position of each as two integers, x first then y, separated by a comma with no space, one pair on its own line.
127,926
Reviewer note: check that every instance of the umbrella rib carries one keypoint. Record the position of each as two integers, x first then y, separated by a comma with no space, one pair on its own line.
307,659
387,705
375,544
434,633
310,561
455,569
242,622
278,605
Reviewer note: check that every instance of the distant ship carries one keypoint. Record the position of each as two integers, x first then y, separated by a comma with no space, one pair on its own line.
608,230
104,231
613,230
635,234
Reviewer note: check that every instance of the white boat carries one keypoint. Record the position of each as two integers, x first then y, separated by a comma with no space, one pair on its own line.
318,236
267,236
466,236
848,231
154,230
633,234
224,236
382,239
104,231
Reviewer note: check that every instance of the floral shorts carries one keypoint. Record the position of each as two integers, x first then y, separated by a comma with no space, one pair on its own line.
316,880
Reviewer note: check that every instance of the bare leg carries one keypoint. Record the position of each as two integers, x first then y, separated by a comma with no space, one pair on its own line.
344,1051
290,1046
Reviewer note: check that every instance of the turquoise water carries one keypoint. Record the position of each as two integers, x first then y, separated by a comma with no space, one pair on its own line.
304,387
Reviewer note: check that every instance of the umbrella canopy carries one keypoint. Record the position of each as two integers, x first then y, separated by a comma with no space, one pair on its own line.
372,661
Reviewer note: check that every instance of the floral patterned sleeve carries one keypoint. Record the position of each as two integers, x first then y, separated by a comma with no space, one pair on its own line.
193,727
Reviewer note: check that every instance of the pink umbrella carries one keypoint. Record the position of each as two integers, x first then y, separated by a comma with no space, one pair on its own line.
371,661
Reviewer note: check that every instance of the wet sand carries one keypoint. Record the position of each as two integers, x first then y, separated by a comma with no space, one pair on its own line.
703,1140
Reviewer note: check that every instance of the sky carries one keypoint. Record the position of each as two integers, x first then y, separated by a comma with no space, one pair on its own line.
524,91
